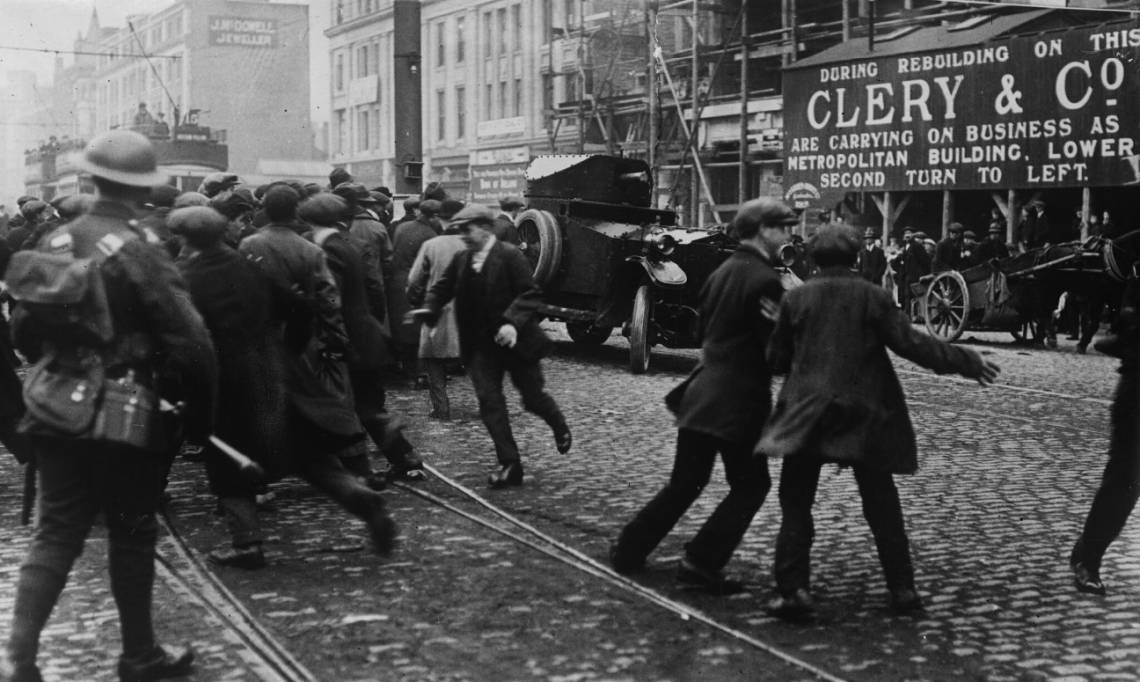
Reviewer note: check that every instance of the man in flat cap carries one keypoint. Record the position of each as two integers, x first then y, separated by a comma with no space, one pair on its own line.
156,333
720,408
948,252
322,419
368,349
372,239
872,262
842,403
496,304
506,225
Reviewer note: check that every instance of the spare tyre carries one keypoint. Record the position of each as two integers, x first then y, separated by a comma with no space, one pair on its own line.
542,237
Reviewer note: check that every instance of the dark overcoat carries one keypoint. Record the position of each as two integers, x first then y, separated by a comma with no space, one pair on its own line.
319,397
872,264
842,401
729,394
367,345
238,304
508,295
409,238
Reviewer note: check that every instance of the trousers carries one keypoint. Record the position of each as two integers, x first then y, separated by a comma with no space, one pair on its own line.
436,370
78,480
799,480
370,400
486,367
713,545
1120,486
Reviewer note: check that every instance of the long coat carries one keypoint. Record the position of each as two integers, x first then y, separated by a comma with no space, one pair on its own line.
409,238
368,349
508,295
872,264
729,393
842,401
442,340
238,304
322,414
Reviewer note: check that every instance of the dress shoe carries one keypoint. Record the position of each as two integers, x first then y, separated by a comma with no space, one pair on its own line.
905,600
1087,581
509,475
623,564
382,529
794,606
250,557
409,474
562,439
1082,349
690,576
161,663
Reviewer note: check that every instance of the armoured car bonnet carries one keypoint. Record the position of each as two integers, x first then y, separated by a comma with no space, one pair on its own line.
599,178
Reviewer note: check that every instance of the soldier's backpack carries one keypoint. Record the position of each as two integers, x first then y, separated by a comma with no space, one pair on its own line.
64,299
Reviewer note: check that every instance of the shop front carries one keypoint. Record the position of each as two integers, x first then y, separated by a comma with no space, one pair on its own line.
983,116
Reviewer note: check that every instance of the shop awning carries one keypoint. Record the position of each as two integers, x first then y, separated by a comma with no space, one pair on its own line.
974,31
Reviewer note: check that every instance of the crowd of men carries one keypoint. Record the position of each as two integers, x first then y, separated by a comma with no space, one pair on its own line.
261,324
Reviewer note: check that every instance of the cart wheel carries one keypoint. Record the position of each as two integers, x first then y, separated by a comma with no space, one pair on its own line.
1026,332
639,330
946,305
542,235
587,333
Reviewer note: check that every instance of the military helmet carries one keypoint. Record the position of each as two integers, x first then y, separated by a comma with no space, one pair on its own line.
122,156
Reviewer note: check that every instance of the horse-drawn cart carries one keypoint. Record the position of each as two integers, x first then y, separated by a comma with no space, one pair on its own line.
1018,294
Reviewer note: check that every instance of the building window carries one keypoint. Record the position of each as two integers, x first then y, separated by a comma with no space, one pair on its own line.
487,37
460,112
362,61
518,97
516,21
546,21
338,73
363,138
440,115
547,99
460,40
338,11
488,100
568,5
503,37
440,44
503,94
341,132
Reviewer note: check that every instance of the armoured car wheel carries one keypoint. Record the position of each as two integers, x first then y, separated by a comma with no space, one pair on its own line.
542,236
946,305
587,333
639,325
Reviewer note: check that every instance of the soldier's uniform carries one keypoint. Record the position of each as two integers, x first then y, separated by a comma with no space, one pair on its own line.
156,330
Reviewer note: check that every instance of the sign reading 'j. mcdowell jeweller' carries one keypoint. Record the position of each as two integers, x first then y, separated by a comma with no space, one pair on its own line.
243,31
1048,110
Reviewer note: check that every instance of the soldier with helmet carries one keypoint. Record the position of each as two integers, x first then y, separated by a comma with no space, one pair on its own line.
720,408
147,327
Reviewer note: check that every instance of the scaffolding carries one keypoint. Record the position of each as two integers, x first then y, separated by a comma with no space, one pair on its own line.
694,87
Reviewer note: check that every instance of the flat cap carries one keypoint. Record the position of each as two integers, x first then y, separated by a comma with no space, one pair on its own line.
470,214
354,192
216,183
430,207
191,199
449,207
510,203
767,212
201,223
970,234
323,209
232,204
31,209
163,195
73,205
956,227
836,238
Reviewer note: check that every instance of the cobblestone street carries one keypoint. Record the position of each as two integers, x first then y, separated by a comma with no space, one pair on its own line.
1006,476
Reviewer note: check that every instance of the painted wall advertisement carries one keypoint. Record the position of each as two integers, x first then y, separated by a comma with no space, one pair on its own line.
243,31
1049,110
498,173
